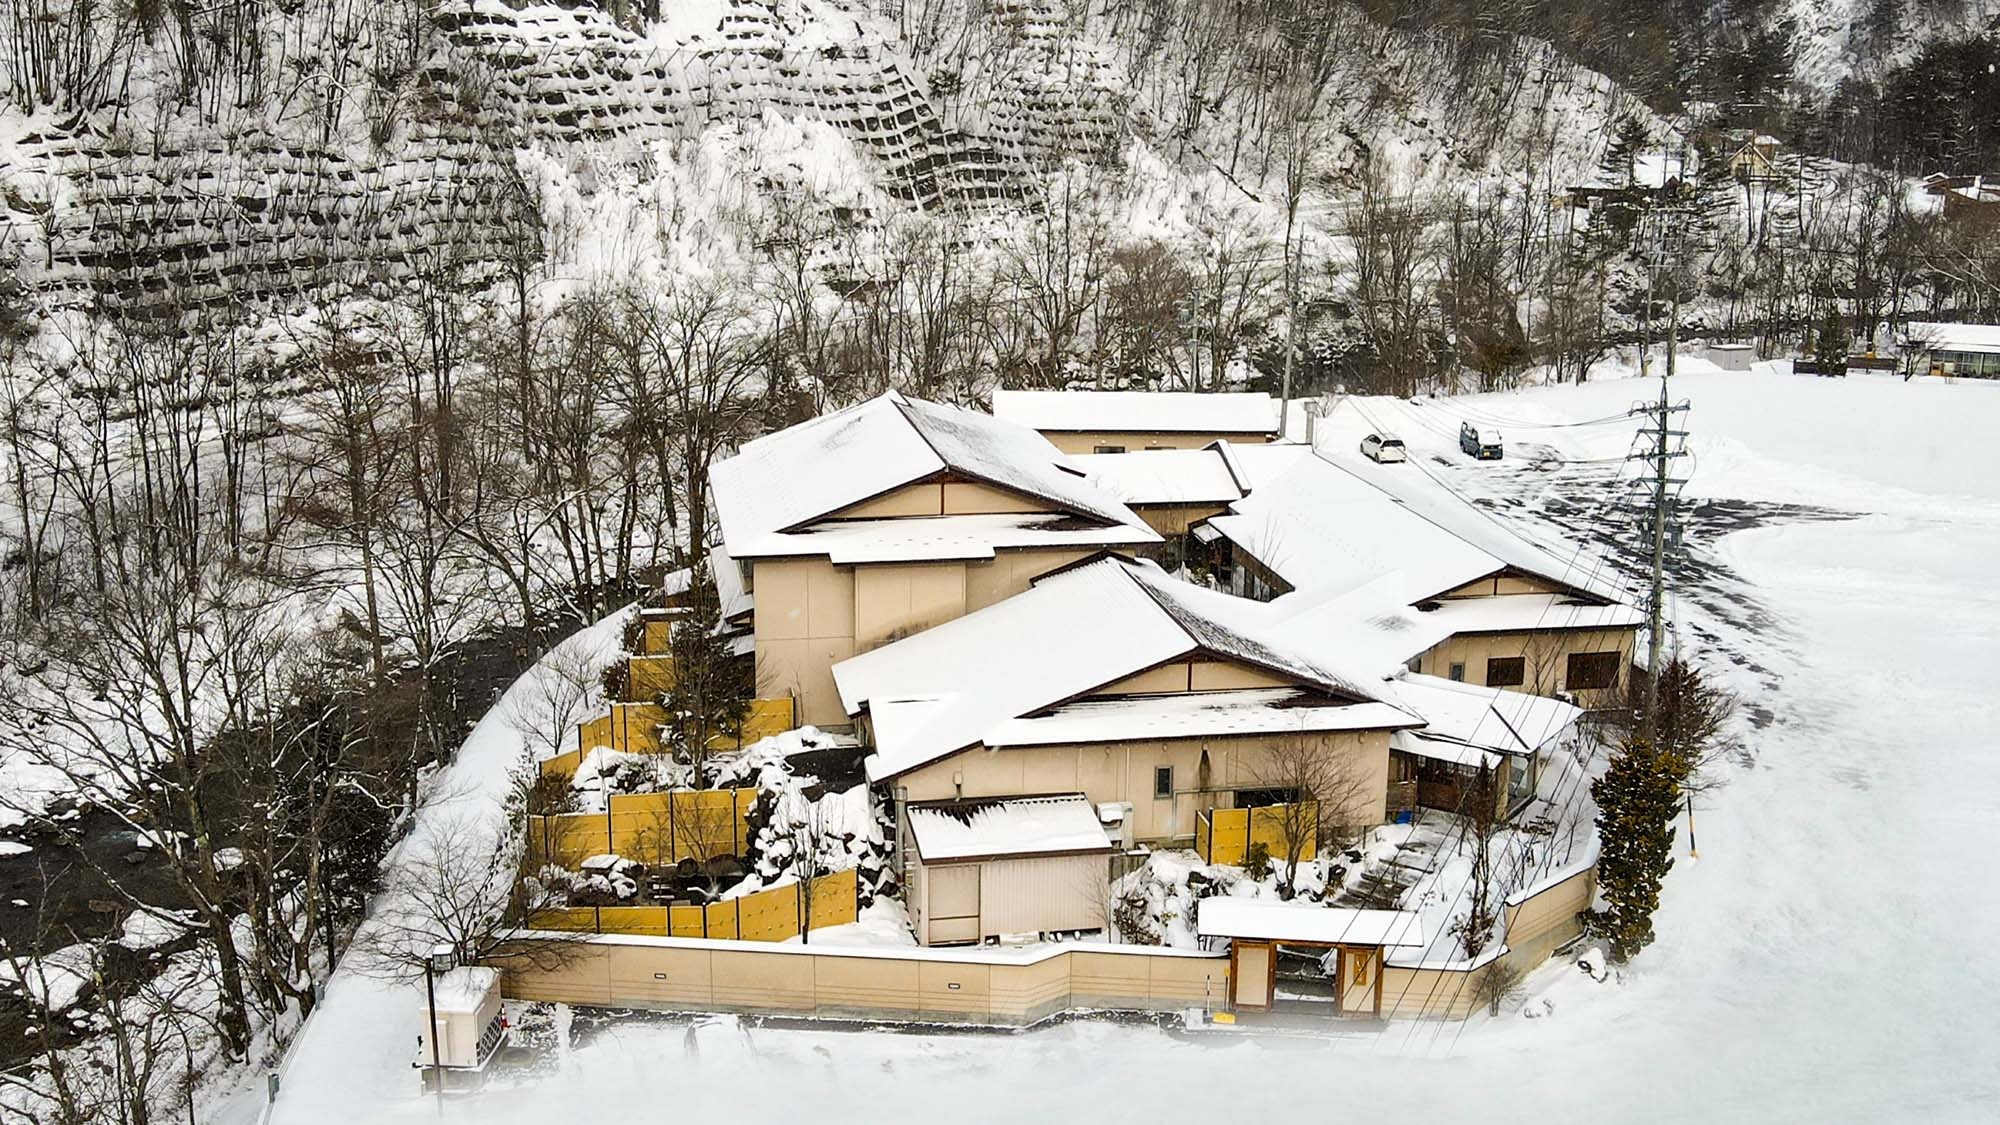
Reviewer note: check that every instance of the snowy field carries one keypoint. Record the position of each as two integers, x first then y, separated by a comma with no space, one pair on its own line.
1823,959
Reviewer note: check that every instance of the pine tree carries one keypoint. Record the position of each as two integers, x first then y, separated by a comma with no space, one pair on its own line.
1637,799
712,686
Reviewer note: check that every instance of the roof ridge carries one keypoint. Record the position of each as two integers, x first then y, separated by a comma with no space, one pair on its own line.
1159,599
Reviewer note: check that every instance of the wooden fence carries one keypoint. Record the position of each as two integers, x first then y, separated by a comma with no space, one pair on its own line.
635,728
1228,835
654,828
772,914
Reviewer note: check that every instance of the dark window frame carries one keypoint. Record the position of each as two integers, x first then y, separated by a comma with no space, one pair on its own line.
1498,668
1163,782
1578,676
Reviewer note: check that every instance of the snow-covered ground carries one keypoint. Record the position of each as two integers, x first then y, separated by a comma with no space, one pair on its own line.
1824,959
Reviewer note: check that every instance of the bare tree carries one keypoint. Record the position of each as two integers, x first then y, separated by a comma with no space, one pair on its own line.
1481,828
555,698
1319,787
811,845
456,885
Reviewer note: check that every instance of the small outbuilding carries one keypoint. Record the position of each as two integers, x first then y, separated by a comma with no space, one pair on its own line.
468,1027
1025,865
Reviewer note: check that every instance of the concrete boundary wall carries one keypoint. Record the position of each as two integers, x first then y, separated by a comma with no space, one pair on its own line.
1535,921
997,987
991,987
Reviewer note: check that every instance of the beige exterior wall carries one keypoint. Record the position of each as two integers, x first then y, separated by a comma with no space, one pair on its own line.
1001,988
1010,572
1533,927
943,498
1175,519
1011,896
1504,584
1545,655
1123,771
891,602
1135,440
1193,675
804,625
811,615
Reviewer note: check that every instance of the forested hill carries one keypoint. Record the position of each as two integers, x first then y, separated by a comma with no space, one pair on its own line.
1911,84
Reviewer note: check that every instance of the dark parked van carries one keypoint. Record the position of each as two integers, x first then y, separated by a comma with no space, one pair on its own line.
1483,445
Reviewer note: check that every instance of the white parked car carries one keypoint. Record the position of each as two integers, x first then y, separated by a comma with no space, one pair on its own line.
1384,448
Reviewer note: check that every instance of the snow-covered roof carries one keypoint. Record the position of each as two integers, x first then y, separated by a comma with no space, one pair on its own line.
1256,465
1467,724
942,538
729,590
1065,824
1320,528
1378,626
1160,412
1195,715
465,988
1276,920
1325,530
1164,476
780,483
1938,336
960,683
1654,169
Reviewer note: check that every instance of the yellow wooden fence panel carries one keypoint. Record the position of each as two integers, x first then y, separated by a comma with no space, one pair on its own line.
563,765
1228,835
647,678
653,828
836,899
771,914
655,635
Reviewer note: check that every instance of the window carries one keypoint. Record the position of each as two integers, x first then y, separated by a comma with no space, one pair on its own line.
1163,782
1108,449
1458,671
1591,671
1520,778
1416,663
1507,671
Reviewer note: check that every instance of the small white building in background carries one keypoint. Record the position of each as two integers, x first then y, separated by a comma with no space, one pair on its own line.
1955,350
987,868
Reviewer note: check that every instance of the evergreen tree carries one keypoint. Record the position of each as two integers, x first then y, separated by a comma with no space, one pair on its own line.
1637,799
712,686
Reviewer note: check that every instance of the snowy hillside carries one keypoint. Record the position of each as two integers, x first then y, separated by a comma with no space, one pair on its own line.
264,177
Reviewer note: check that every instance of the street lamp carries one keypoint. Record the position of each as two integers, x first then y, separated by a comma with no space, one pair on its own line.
439,961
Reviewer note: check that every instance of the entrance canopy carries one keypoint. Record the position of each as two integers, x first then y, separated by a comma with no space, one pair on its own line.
1259,919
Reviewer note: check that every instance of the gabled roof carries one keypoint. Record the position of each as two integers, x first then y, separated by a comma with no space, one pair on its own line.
960,683
1270,919
1472,725
1164,476
782,483
1326,532
1159,412
963,831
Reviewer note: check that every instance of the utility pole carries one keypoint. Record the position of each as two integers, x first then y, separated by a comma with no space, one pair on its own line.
1658,445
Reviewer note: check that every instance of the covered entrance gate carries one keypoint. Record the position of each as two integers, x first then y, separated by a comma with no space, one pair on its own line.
1305,956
